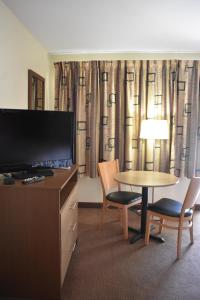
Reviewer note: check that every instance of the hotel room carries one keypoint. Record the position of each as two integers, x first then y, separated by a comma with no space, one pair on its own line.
100,150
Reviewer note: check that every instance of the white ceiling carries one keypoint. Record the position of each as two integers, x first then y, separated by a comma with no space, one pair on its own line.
77,26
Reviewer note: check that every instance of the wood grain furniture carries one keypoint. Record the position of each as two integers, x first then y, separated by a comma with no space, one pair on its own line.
38,232
172,211
145,179
120,199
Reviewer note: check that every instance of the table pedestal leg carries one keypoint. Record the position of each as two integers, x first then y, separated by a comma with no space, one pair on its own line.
141,233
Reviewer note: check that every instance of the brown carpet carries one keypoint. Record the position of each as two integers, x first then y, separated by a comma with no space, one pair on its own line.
105,267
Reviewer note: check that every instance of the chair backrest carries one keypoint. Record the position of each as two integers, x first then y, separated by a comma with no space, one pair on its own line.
107,171
192,194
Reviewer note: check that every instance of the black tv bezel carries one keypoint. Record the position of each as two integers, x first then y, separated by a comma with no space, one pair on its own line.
7,168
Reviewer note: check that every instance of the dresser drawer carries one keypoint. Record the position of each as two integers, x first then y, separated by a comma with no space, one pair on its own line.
68,219
68,233
67,250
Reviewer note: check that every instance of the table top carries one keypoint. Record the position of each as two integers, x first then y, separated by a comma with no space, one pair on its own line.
146,178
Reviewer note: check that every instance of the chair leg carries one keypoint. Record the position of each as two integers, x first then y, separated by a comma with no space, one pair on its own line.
120,215
191,233
161,225
148,225
180,231
152,194
125,222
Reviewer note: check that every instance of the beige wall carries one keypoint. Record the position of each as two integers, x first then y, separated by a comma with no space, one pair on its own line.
19,51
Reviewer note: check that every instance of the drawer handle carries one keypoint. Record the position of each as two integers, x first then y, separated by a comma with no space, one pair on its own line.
74,206
74,247
74,227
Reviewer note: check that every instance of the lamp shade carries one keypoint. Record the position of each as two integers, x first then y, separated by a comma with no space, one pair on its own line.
154,129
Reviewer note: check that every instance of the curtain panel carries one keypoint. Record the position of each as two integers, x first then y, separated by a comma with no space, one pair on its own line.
111,98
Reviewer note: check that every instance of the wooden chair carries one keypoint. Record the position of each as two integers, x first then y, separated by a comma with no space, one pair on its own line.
120,199
173,211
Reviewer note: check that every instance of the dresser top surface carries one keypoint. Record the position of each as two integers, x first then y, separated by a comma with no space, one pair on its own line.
57,181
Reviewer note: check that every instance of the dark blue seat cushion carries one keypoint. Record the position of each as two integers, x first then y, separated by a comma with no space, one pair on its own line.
123,197
169,207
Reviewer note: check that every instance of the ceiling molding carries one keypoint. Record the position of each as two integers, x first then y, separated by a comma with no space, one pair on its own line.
73,52
108,55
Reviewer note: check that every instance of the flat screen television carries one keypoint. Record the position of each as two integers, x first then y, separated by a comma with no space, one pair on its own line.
29,138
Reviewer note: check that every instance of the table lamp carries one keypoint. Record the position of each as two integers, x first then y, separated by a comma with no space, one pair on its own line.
154,130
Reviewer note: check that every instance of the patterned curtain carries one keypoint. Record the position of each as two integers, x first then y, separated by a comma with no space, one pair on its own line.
111,98
77,89
187,151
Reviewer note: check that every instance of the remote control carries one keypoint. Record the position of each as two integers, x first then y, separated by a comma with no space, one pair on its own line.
33,179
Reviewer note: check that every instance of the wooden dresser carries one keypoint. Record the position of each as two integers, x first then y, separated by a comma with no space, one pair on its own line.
38,232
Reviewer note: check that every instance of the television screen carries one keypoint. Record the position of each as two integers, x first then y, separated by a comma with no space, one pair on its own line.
30,137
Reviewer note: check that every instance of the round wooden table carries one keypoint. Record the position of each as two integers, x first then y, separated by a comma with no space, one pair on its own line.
145,179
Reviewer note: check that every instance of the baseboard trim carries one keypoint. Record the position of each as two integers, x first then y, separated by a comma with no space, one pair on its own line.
99,205
90,205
